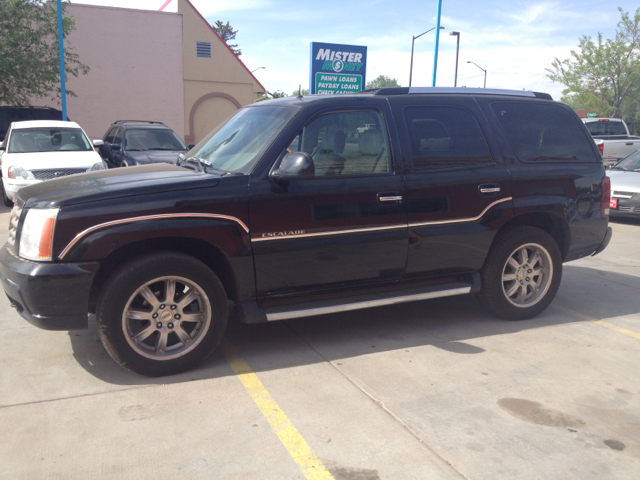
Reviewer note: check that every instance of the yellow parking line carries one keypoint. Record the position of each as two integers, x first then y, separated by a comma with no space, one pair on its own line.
297,447
600,322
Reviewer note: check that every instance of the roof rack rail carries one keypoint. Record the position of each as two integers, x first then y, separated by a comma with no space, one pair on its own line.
445,90
138,121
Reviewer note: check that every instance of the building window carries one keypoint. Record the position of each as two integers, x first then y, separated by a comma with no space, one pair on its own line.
203,49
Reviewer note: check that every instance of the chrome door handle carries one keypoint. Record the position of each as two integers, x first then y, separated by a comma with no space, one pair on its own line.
396,198
490,190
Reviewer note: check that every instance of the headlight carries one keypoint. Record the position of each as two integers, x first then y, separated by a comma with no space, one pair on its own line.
20,173
97,166
36,237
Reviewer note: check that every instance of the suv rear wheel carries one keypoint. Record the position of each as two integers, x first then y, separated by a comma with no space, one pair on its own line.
162,314
522,273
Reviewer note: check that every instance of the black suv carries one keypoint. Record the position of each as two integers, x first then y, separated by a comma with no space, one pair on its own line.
140,142
289,209
10,114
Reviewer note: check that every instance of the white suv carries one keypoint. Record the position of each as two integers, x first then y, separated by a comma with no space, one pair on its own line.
40,150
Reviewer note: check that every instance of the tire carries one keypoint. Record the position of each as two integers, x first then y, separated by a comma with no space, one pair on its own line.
149,330
8,202
522,273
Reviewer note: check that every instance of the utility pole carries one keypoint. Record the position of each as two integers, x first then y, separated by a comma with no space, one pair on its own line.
63,88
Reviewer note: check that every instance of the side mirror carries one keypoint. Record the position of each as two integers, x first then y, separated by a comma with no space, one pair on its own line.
115,147
1,146
608,166
294,165
191,145
98,143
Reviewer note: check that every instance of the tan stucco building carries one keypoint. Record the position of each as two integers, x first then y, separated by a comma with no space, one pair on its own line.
163,66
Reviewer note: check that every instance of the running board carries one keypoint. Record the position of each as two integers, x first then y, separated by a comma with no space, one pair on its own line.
346,307
251,313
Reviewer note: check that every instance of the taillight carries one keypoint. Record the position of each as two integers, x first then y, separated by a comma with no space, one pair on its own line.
606,197
600,146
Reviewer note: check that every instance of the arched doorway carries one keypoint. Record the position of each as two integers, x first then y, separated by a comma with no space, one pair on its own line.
208,112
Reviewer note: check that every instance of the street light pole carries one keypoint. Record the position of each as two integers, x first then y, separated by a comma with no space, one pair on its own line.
436,44
457,35
259,68
63,88
412,42
485,72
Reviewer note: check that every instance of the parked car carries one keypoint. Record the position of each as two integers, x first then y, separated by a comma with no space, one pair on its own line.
612,138
40,150
625,187
10,114
140,142
279,214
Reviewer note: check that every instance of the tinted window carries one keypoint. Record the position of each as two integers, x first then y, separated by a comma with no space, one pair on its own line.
117,137
346,143
110,135
445,137
542,132
605,127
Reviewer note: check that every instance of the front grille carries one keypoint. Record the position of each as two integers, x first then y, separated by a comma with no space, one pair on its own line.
16,213
629,209
56,172
619,194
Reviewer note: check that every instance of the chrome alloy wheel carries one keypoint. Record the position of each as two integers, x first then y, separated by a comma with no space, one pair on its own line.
526,276
166,318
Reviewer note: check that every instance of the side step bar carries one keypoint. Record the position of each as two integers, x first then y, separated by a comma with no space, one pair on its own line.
250,312
345,307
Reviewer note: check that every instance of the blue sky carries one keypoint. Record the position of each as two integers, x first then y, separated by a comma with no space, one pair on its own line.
514,40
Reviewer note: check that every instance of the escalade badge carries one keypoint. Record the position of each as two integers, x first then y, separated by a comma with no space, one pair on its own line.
283,234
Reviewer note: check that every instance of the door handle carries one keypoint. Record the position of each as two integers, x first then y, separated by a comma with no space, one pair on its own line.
629,143
488,189
389,198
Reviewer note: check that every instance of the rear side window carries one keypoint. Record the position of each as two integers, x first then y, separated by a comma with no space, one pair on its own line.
542,132
445,137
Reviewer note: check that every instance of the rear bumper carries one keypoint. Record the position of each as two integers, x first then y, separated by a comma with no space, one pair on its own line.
52,296
605,242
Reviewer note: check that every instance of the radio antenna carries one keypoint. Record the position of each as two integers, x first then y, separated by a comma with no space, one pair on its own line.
299,90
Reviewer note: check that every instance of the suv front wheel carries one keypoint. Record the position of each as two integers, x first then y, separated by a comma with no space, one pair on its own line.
522,273
162,314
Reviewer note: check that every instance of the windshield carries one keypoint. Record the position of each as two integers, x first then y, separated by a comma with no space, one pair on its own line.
142,139
632,162
48,139
237,144
606,127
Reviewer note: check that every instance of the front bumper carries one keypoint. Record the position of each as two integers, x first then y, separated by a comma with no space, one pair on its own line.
627,207
52,296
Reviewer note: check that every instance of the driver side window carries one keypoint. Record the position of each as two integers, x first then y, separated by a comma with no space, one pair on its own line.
346,143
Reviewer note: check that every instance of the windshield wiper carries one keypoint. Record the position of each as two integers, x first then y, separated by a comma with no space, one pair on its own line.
544,157
160,148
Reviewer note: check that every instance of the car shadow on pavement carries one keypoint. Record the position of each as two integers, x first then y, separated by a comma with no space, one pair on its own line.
449,324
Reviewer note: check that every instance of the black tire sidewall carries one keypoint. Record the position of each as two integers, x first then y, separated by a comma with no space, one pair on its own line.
492,294
127,279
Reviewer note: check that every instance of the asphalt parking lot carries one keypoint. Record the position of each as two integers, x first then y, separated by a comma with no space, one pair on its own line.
430,390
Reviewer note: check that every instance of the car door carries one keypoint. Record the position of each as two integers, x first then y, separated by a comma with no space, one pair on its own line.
347,225
459,192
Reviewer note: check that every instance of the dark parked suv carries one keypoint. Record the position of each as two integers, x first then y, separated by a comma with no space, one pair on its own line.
288,210
140,142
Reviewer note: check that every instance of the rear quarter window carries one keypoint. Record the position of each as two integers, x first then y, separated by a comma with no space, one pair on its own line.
542,132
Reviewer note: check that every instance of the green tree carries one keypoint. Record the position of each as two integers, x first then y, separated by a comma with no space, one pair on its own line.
227,33
382,81
29,57
271,95
603,75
